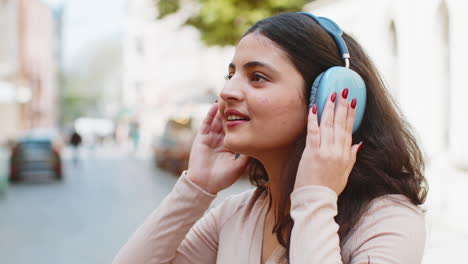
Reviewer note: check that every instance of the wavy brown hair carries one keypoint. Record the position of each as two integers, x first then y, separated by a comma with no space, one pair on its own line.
390,161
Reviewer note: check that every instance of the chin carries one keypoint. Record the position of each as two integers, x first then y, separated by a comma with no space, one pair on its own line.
244,147
235,145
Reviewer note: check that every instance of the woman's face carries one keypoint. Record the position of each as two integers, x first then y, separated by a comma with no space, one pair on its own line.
265,89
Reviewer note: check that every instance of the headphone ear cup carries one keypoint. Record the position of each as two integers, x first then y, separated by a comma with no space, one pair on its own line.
314,89
336,79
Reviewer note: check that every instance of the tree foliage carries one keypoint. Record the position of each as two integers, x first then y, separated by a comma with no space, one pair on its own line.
222,22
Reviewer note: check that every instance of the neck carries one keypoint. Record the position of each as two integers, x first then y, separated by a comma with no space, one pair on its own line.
279,163
275,163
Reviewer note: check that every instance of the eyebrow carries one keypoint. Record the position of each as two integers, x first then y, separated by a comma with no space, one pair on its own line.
253,64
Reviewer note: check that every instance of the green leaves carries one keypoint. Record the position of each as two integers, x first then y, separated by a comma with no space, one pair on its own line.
223,22
167,7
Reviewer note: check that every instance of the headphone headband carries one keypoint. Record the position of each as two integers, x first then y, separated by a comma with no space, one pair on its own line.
335,31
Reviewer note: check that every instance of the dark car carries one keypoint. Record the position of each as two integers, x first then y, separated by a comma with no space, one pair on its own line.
32,155
172,149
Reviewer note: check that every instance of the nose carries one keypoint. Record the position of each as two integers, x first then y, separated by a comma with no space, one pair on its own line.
232,91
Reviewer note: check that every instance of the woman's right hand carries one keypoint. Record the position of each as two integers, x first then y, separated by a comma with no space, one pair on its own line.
212,166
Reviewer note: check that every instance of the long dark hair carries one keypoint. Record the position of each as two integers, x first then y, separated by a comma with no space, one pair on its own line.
390,161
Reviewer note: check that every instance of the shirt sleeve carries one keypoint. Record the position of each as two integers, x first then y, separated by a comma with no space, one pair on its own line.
170,235
388,233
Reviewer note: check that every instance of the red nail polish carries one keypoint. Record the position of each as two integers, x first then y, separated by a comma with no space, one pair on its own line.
345,93
353,103
314,109
333,97
216,101
360,146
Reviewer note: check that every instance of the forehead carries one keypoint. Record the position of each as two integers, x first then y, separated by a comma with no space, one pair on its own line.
257,47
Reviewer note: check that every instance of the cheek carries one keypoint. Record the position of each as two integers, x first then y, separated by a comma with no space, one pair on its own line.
264,101
281,114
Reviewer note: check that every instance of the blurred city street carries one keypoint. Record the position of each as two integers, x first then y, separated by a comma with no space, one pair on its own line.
106,97
88,216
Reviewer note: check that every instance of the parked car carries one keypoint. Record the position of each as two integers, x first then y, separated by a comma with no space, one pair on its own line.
35,153
172,149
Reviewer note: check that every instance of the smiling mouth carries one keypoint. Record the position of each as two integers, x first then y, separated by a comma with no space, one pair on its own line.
235,118
236,122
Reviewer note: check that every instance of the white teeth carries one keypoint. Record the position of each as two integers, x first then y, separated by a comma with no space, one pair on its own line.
234,117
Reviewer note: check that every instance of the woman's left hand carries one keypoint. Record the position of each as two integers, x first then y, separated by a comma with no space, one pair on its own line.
329,155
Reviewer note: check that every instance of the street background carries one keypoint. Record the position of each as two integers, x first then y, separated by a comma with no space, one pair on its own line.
114,91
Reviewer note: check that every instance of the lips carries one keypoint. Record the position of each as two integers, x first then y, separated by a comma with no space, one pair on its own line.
233,112
237,118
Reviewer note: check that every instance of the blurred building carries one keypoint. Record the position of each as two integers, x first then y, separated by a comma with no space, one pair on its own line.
27,66
9,102
97,73
38,62
418,46
167,69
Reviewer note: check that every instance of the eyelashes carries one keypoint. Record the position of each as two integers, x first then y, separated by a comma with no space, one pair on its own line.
255,77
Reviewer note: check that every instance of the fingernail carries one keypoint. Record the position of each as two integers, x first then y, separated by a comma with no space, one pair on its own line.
216,101
353,103
314,109
345,93
360,146
333,97
237,155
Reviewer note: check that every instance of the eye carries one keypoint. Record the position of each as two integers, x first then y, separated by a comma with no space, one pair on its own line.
258,77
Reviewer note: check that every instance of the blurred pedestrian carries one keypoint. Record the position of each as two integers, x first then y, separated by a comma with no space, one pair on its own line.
134,134
75,141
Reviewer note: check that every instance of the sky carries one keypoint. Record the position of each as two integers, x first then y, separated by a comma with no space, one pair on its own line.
86,22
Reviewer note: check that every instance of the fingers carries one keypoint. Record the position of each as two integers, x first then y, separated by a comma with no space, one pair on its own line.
217,125
353,154
218,139
313,130
337,122
326,122
339,126
355,149
350,121
206,125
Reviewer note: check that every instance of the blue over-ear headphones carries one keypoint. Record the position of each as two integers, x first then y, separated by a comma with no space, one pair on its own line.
336,78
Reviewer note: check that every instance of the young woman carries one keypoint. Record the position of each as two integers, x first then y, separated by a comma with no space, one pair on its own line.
323,194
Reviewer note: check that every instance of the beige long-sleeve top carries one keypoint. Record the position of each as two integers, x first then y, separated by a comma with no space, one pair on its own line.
392,230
